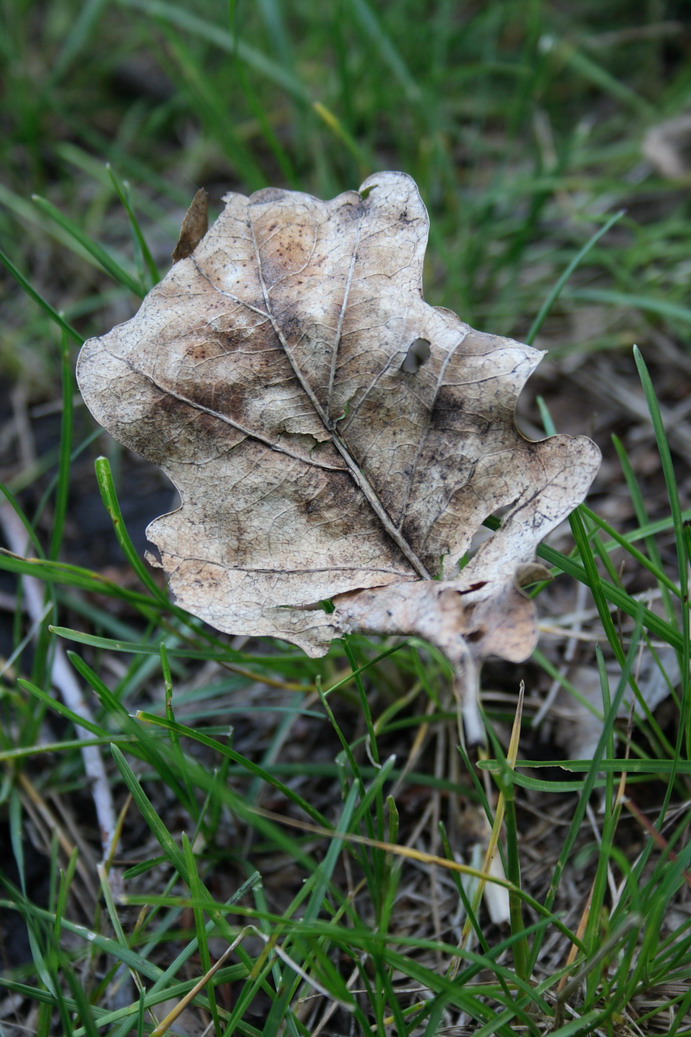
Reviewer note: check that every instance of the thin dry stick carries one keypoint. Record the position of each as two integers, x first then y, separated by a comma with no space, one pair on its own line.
332,1006
50,827
270,946
653,833
65,682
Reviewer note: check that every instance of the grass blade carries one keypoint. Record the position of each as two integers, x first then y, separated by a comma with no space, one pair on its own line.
100,255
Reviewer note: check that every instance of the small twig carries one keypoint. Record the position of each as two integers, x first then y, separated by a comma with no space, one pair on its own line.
653,833
65,682
270,946
50,827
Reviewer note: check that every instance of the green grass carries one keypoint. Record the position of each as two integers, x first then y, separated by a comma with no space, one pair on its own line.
293,829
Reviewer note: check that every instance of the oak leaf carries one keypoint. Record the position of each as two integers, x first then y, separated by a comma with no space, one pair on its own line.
332,436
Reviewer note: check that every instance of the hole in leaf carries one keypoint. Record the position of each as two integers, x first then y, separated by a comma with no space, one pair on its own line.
418,353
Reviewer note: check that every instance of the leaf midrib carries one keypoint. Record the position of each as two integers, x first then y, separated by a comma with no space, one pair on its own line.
356,473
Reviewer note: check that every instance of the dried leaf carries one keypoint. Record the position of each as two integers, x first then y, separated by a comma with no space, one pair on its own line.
194,226
668,146
333,436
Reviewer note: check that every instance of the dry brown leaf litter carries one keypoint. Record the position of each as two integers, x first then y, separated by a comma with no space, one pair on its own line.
334,437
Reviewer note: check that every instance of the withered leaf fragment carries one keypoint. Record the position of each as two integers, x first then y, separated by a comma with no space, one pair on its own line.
194,226
333,436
